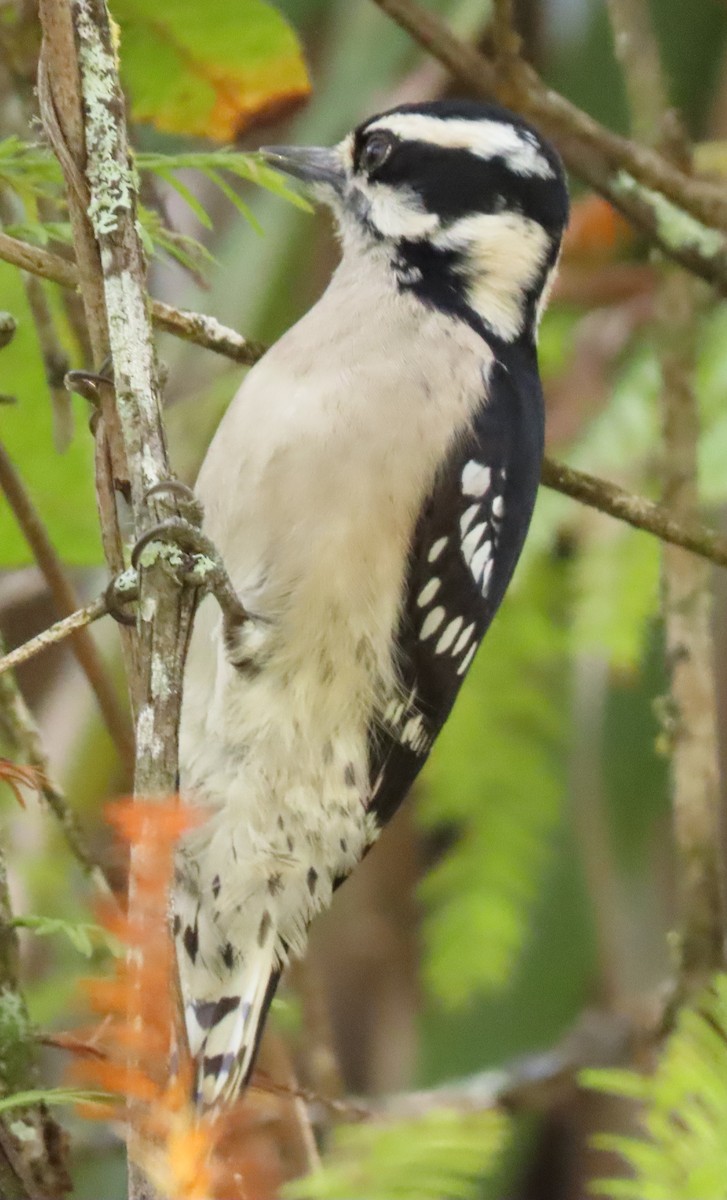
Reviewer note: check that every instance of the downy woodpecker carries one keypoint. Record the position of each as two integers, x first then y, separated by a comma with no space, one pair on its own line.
369,489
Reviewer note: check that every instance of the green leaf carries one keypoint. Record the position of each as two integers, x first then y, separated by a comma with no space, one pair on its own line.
249,167
189,197
52,1096
208,70
441,1156
683,1152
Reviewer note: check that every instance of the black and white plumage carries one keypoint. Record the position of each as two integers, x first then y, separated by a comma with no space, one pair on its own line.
369,488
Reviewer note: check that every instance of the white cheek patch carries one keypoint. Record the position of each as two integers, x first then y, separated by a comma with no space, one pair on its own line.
503,254
518,148
395,212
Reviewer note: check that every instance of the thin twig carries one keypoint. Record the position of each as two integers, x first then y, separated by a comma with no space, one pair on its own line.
197,328
687,597
679,214
54,634
657,519
67,603
536,1083
55,360
207,332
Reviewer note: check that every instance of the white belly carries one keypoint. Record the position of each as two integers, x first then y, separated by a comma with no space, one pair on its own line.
312,488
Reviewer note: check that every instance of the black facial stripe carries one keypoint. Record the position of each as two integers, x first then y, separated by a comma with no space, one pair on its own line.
439,279
453,183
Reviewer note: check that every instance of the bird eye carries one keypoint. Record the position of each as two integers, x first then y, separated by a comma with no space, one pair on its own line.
375,151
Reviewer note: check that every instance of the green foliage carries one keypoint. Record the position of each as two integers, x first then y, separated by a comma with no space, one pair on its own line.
84,936
33,173
61,485
30,170
478,898
440,1156
683,1155
616,591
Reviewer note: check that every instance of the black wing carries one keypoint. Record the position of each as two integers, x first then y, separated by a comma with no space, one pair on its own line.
465,547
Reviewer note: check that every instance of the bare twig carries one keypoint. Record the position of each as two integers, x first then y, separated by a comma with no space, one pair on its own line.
679,214
56,633
55,361
536,1083
192,327
657,519
691,721
67,602
692,716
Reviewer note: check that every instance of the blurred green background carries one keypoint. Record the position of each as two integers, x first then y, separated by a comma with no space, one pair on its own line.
530,875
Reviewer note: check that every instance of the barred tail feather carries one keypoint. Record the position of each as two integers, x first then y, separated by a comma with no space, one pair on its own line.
224,1033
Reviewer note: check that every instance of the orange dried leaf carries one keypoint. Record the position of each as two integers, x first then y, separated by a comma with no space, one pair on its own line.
185,1153
596,231
16,776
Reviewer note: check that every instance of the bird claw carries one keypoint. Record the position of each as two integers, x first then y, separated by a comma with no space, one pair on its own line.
121,591
199,562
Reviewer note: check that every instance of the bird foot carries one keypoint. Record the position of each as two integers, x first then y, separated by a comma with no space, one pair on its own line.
195,560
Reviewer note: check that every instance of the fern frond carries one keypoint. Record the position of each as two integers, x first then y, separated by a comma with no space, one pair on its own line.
683,1154
494,777
440,1156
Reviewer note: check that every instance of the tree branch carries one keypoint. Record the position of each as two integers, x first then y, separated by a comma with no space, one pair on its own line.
193,327
684,217
125,590
657,519
687,599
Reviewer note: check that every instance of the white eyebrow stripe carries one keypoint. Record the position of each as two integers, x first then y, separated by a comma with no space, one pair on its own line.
485,138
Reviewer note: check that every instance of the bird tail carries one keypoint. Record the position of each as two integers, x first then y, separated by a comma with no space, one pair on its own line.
224,1032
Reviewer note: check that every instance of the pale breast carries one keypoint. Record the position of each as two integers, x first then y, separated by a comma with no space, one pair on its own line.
312,487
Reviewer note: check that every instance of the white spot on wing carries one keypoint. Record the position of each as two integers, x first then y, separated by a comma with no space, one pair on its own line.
486,577
436,549
449,635
468,517
414,734
475,478
432,622
498,507
466,660
463,638
472,541
479,558
428,592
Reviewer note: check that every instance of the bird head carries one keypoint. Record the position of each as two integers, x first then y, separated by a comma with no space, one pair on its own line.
467,201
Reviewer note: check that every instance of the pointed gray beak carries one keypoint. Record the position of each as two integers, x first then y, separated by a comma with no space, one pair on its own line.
312,164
